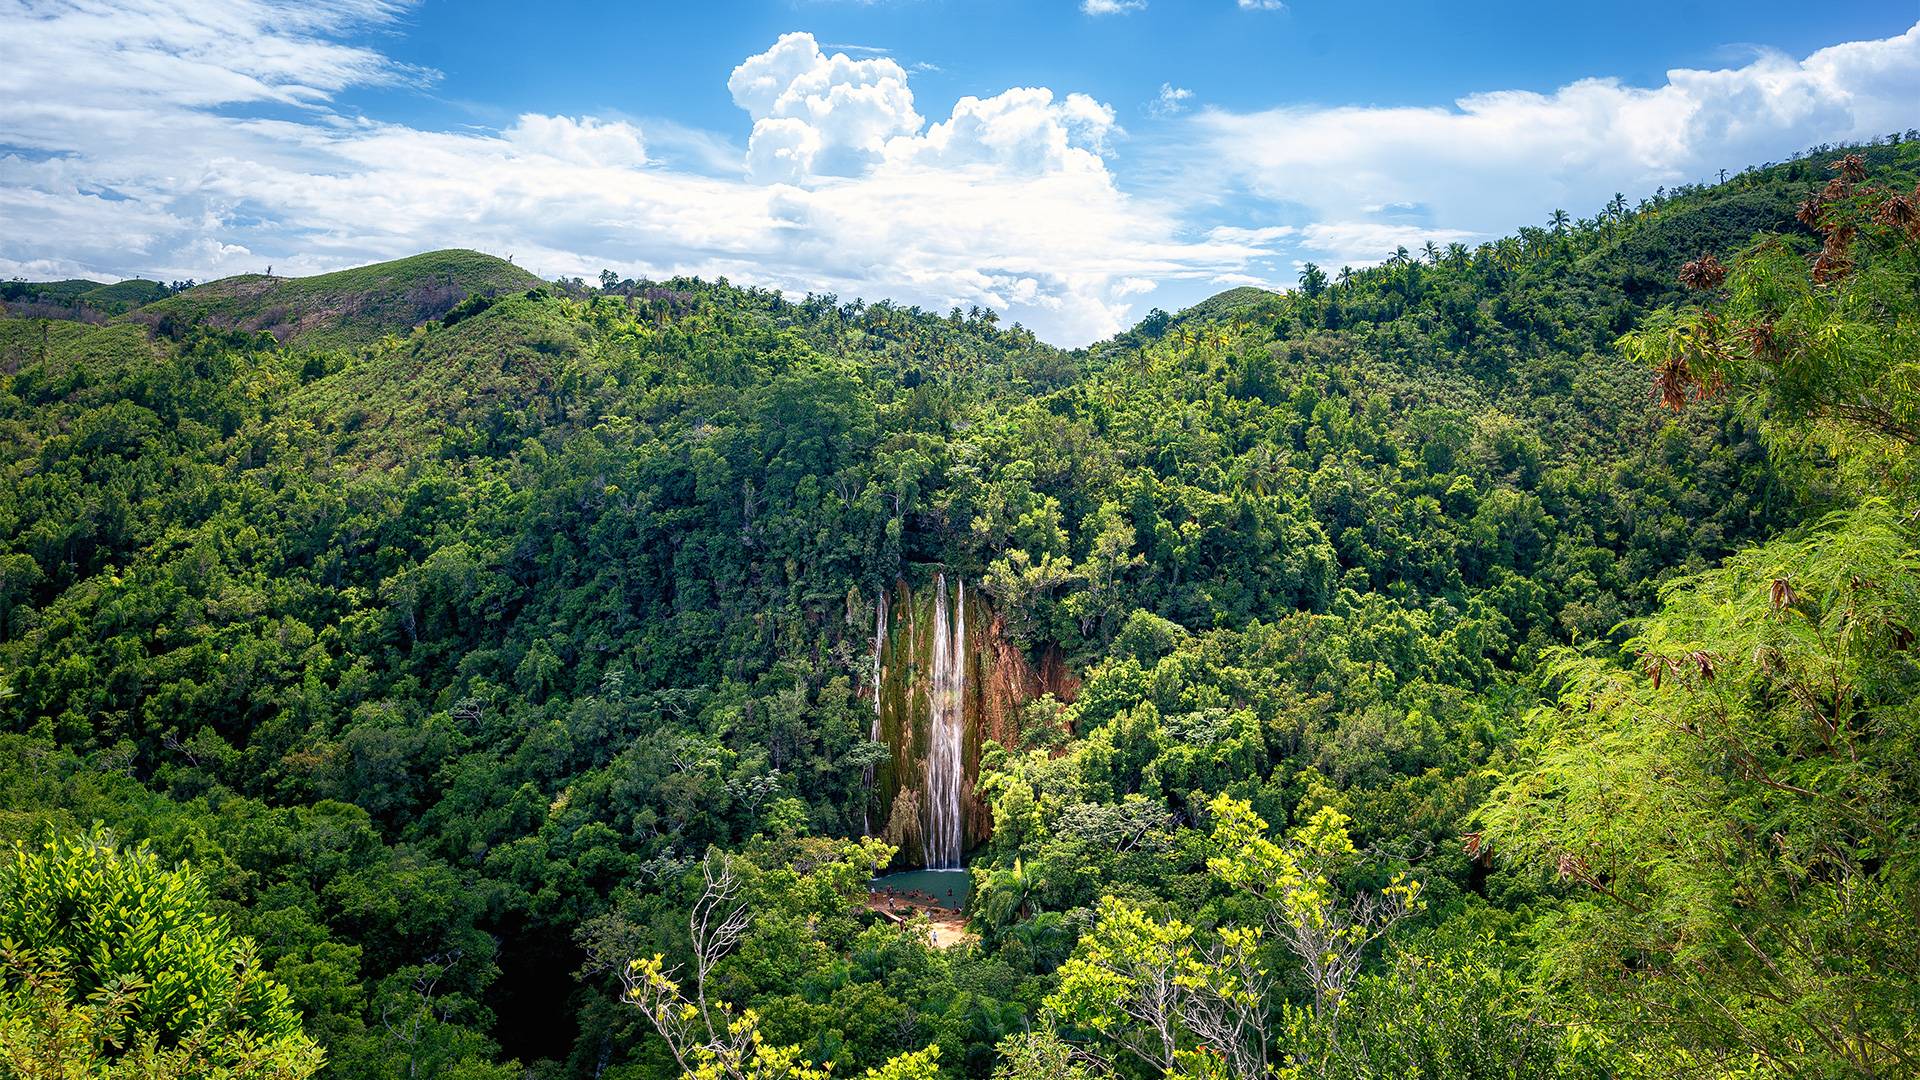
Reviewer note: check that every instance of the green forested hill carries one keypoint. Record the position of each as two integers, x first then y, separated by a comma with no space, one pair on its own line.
74,292
443,620
346,308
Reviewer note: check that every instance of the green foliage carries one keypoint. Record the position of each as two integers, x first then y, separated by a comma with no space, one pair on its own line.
1825,350
1455,1006
115,965
1736,818
1327,932
78,298
444,621
1183,1002
708,1038
1040,1055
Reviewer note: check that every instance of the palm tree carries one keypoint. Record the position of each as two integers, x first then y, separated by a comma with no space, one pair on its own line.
1313,280
1558,219
1432,251
1005,899
1263,467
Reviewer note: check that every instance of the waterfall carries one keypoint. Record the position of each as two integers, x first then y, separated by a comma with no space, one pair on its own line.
946,729
879,643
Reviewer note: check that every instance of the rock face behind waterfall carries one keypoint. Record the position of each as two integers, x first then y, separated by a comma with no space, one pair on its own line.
946,682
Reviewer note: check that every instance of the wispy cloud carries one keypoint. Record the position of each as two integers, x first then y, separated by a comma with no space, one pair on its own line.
1171,101
1111,7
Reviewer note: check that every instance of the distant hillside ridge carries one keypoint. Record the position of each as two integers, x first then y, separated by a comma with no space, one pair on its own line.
77,298
346,308
1632,250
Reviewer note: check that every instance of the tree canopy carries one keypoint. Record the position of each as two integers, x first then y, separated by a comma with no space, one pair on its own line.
1494,662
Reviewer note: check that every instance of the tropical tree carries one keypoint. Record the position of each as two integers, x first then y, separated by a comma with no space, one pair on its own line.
1042,1055
1164,994
1304,909
1313,281
1155,993
710,1039
1827,346
113,965
1736,816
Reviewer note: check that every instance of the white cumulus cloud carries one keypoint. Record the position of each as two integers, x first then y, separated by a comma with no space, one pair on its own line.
1022,132
126,155
1371,178
197,138
815,113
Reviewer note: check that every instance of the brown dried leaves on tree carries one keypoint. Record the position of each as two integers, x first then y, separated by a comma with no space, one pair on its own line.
1690,369
1902,212
1703,273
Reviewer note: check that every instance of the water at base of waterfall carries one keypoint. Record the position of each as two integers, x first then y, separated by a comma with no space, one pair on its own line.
943,888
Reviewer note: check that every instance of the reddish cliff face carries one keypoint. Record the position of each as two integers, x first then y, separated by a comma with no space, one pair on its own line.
976,674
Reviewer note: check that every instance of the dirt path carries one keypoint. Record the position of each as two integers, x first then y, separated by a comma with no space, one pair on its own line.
951,929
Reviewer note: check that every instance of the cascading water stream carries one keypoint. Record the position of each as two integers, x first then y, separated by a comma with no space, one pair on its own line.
879,643
946,729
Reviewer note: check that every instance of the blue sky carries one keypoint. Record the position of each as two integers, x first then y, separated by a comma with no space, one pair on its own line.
1070,163
648,59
